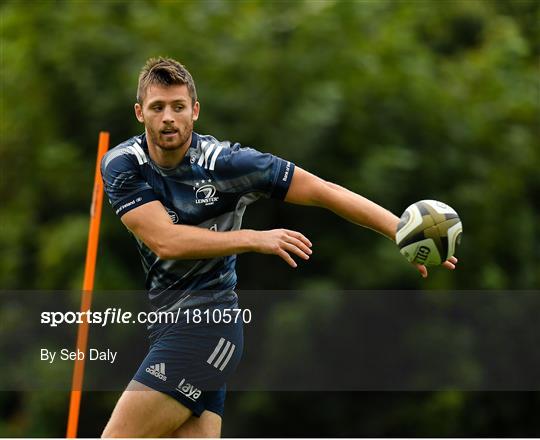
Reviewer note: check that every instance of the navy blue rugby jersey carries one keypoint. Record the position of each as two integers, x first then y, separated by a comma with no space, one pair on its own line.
210,189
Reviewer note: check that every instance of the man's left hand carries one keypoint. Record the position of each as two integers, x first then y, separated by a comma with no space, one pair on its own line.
449,264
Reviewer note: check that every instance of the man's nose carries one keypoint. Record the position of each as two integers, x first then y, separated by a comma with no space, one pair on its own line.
168,114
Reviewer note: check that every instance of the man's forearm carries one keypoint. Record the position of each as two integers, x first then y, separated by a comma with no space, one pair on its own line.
191,242
358,209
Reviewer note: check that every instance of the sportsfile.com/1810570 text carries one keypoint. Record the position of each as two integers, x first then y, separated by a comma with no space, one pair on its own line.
114,315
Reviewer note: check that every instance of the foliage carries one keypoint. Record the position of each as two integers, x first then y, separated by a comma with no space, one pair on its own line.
398,101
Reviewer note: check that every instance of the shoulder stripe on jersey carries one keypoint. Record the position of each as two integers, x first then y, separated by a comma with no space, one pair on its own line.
140,151
214,157
113,155
133,151
207,148
204,145
209,154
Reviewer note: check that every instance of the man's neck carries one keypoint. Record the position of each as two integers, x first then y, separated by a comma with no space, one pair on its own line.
167,158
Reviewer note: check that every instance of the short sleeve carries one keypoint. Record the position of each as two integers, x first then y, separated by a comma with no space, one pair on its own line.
123,182
250,170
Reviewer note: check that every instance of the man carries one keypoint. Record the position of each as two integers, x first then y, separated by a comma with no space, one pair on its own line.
182,196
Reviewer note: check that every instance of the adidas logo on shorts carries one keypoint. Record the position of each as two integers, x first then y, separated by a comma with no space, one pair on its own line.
188,390
157,370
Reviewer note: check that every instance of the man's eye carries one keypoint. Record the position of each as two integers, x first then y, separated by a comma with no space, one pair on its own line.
179,108
157,108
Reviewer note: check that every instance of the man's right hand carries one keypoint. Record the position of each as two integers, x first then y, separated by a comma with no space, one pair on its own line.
283,243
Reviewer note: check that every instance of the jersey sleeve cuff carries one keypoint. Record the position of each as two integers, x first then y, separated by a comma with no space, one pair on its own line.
283,180
133,201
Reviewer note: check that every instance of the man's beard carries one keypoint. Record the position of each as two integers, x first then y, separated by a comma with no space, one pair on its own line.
158,139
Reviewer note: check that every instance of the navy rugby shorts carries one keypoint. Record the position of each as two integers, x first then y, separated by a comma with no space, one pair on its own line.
191,362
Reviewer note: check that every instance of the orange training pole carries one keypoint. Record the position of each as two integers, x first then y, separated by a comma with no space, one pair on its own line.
88,286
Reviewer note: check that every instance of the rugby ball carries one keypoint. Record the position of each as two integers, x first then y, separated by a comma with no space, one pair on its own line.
429,232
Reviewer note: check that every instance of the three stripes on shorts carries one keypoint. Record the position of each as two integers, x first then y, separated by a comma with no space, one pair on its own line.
222,354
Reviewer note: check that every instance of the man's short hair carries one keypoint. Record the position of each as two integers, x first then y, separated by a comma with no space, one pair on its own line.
164,72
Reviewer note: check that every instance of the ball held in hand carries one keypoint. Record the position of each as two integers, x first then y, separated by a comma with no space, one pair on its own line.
428,232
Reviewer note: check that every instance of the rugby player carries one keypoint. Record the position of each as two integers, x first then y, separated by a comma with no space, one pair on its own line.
182,195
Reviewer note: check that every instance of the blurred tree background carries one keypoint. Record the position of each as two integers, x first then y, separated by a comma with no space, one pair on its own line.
396,100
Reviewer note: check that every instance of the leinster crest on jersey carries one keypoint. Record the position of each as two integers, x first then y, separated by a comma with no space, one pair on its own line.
205,193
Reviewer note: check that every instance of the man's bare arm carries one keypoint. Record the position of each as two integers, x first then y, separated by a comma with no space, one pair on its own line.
152,224
308,189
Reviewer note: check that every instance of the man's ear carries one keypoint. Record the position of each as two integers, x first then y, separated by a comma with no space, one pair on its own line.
139,113
196,110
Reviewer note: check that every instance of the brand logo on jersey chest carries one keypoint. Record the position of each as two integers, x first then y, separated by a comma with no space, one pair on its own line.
205,193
